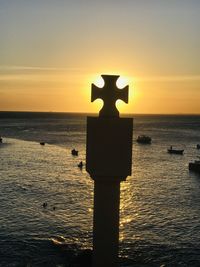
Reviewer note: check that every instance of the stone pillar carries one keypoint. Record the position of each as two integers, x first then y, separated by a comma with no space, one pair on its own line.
106,223
108,161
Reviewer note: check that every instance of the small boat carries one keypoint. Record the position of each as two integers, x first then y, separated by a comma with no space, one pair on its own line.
198,146
175,151
195,166
42,143
62,243
144,139
74,152
59,241
44,204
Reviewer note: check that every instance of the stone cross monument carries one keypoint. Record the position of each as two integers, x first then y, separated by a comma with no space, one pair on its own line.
108,161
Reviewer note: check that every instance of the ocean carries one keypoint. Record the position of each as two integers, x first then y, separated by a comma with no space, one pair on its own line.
160,202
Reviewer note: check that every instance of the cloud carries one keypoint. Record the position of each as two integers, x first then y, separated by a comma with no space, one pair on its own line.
170,78
21,68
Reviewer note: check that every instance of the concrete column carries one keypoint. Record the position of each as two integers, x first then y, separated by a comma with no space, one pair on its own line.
106,222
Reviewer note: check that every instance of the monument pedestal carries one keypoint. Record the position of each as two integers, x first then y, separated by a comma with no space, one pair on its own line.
108,161
109,147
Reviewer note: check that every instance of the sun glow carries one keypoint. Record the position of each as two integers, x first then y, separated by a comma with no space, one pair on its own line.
132,94
99,82
121,83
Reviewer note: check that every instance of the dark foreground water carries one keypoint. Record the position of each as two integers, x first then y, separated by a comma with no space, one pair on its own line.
160,202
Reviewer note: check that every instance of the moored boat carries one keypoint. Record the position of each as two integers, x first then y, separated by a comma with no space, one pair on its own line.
74,152
195,166
144,139
175,151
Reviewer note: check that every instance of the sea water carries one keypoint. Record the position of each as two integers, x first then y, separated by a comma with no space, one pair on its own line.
160,202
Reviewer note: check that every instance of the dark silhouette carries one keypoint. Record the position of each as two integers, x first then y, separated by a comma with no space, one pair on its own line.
80,165
44,204
108,161
42,143
144,139
74,152
198,146
84,258
109,94
195,166
1,140
175,151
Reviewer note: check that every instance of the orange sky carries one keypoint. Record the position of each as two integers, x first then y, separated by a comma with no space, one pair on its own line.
51,53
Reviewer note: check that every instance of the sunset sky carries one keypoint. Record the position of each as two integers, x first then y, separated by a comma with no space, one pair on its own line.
52,50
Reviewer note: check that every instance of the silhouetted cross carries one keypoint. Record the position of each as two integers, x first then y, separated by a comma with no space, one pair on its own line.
109,94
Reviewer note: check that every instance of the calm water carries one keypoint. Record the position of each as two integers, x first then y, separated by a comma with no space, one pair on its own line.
160,202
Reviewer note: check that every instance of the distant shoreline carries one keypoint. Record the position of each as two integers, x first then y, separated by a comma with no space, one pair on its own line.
90,113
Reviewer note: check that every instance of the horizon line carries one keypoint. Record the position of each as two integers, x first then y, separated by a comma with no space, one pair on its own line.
85,112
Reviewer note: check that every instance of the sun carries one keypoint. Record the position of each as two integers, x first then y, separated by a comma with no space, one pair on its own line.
132,95
99,81
121,82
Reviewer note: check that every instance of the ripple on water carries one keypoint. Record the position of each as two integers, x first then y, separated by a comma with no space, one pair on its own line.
159,207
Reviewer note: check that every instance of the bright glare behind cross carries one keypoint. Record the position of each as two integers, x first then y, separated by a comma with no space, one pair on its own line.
109,94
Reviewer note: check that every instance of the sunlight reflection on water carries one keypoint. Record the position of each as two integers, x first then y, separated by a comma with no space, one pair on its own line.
159,203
